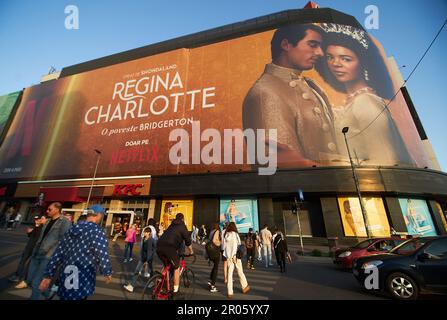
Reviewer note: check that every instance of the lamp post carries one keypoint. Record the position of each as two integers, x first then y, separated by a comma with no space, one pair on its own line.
94,176
354,175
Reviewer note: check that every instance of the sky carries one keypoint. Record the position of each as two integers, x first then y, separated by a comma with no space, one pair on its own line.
34,38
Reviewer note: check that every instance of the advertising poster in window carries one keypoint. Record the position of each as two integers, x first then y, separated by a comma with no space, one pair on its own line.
244,212
352,218
417,217
170,208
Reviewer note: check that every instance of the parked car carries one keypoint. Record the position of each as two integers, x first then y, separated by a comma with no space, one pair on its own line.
416,266
345,257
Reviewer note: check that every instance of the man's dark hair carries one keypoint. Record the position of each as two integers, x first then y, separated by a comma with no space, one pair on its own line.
179,216
293,33
151,222
57,205
250,230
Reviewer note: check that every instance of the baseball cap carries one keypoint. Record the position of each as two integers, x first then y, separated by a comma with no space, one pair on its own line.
95,209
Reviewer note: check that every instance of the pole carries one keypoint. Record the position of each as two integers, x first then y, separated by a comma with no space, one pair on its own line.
94,176
354,175
299,225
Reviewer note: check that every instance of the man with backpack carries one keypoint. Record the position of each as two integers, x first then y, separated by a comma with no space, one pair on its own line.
250,245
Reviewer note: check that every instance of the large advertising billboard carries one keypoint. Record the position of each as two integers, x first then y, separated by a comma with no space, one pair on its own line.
277,98
243,212
417,217
7,103
352,218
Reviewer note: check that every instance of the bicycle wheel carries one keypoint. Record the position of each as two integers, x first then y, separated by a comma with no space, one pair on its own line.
187,283
156,289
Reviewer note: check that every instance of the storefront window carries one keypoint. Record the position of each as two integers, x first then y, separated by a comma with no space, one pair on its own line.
417,217
352,218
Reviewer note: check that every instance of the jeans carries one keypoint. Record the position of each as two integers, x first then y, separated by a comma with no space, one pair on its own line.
129,245
250,256
35,275
140,268
24,264
267,248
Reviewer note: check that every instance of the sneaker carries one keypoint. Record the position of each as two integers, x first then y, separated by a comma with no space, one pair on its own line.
252,268
21,285
230,296
14,278
213,289
147,275
125,260
130,259
129,288
246,289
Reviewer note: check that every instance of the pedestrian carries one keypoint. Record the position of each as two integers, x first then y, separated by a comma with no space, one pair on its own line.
152,224
213,251
266,238
224,259
232,241
258,246
22,269
281,250
82,251
202,234
148,247
52,233
11,219
17,220
250,245
131,238
194,233
9,213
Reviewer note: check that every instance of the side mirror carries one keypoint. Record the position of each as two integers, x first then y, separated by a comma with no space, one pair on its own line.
424,256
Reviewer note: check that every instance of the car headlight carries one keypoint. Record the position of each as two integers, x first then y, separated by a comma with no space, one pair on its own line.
372,264
344,254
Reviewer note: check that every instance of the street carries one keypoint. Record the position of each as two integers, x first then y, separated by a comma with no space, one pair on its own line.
307,278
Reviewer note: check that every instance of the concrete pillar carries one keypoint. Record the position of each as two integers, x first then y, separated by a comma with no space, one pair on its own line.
396,215
332,219
266,212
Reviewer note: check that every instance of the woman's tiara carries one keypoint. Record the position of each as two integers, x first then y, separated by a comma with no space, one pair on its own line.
354,33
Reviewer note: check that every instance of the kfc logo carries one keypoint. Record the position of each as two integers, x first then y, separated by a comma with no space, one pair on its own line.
125,189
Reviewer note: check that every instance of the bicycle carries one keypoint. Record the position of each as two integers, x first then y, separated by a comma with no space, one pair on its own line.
159,286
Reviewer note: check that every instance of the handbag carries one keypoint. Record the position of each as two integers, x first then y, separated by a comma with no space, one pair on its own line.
239,252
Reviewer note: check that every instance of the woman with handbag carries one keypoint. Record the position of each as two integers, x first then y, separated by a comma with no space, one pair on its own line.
213,252
231,246
281,250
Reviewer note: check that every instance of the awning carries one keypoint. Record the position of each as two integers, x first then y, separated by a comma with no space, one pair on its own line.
61,194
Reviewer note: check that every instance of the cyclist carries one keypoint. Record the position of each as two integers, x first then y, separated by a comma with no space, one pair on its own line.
169,246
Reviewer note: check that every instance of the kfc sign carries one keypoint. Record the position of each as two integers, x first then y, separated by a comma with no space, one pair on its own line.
127,189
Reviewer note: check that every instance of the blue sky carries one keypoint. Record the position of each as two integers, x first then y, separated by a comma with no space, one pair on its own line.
34,38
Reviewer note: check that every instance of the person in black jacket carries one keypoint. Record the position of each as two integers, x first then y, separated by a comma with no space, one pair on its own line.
33,236
280,247
170,244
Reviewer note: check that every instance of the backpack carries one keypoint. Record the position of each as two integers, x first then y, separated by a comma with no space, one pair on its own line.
249,243
212,251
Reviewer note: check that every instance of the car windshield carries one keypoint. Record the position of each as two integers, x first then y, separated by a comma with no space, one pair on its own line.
363,244
409,246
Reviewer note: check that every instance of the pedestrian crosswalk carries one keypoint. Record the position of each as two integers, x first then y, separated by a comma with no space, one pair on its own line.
262,282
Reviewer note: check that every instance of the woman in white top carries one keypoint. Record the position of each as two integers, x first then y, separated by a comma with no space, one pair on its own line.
230,244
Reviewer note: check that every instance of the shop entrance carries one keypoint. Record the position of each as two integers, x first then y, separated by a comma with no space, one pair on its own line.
291,223
119,221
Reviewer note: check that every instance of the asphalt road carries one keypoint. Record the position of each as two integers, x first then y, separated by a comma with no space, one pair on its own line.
307,278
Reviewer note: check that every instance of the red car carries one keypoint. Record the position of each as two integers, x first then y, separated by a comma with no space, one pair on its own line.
345,257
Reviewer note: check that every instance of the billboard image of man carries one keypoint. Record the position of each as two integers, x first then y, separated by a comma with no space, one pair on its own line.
282,99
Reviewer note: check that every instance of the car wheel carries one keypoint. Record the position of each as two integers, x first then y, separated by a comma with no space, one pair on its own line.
402,287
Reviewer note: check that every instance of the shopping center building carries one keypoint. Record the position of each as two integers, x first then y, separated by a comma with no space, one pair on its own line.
163,118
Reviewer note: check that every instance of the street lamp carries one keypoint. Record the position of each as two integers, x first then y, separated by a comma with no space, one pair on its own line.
94,175
354,175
